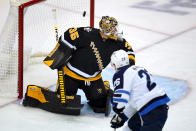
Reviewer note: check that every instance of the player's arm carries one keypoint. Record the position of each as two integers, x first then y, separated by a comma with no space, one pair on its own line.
122,91
61,54
121,94
130,51
121,100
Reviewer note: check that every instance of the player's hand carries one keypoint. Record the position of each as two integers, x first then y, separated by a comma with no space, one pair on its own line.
118,120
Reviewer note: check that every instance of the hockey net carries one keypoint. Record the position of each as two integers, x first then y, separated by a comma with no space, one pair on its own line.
28,36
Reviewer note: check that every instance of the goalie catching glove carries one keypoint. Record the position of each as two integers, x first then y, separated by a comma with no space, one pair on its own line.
59,56
118,120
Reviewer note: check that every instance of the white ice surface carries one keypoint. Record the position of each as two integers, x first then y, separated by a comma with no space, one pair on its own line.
171,43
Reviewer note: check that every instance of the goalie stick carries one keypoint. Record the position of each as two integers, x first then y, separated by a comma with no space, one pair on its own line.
60,71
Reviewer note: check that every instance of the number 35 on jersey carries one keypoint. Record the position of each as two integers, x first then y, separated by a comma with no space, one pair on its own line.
73,33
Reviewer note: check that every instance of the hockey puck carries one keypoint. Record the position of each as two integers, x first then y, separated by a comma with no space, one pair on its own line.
84,14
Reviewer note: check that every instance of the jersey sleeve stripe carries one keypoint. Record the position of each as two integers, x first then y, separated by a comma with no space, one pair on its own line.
130,53
122,91
67,43
132,58
117,100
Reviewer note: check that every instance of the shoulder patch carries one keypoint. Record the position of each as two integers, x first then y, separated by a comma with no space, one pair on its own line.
87,29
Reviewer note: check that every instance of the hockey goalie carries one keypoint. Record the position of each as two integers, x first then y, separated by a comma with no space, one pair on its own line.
80,56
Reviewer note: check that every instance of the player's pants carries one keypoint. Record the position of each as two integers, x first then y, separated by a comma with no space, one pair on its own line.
95,91
153,121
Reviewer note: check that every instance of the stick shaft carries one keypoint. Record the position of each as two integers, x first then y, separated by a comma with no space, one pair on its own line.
60,70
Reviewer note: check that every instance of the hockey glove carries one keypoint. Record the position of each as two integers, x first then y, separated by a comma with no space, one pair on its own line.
118,120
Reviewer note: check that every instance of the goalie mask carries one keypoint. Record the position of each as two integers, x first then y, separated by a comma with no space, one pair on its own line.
119,59
108,26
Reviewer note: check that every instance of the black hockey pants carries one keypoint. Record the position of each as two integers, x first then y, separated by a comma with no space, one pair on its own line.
153,121
95,91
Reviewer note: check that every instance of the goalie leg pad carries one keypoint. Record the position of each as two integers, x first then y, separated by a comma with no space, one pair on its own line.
71,107
33,96
35,92
48,100
28,101
99,97
101,105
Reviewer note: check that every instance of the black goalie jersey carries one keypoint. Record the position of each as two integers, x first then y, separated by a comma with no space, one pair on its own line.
90,52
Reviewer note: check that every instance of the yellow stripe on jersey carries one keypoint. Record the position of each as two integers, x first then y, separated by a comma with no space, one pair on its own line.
74,75
131,57
127,45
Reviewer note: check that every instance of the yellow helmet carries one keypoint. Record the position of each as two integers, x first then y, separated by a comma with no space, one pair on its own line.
108,26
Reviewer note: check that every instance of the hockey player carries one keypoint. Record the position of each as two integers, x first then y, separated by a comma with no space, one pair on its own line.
137,99
83,53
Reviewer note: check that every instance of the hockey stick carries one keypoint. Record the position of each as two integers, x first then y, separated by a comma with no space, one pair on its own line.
55,26
60,71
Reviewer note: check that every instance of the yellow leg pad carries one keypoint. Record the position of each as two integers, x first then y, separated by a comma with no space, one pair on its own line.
36,93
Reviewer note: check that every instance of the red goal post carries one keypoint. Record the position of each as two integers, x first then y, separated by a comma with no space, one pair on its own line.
35,15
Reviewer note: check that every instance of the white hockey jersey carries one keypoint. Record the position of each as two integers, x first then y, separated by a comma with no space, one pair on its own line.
135,91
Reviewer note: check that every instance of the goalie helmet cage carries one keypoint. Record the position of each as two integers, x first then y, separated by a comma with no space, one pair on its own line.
33,24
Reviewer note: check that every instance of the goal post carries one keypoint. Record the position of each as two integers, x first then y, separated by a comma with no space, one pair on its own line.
20,43
31,37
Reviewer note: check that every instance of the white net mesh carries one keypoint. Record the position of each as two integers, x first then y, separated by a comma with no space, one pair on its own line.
39,38
8,55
